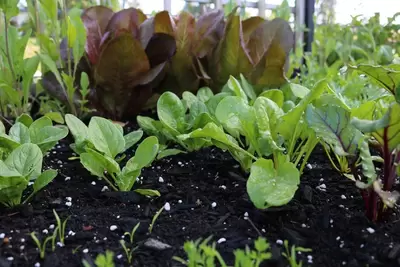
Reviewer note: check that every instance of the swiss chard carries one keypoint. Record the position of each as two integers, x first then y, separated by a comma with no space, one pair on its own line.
99,144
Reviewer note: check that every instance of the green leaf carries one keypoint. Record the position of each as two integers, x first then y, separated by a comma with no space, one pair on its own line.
44,179
55,116
106,136
171,112
293,116
386,76
49,62
8,143
299,90
97,163
144,155
204,94
188,98
169,152
275,95
19,133
132,138
78,129
25,119
6,171
332,124
247,88
2,128
148,192
236,88
268,186
26,160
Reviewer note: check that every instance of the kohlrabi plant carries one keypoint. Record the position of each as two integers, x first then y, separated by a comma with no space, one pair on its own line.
41,132
99,146
22,167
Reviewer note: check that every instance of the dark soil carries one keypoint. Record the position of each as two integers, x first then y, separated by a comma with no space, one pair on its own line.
325,215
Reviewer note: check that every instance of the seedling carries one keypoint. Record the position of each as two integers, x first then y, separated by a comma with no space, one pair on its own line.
99,144
132,233
155,217
60,229
291,254
102,260
42,246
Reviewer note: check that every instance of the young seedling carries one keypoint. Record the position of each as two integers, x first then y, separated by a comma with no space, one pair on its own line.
102,260
60,229
42,246
291,254
132,233
99,144
155,217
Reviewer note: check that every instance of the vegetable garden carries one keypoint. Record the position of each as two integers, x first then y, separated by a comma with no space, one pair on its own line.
197,141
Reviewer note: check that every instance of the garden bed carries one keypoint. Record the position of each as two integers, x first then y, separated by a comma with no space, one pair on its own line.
207,194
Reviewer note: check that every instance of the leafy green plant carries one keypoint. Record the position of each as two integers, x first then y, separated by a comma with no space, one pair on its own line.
99,144
17,72
59,230
102,260
40,132
350,133
22,166
290,254
200,253
42,246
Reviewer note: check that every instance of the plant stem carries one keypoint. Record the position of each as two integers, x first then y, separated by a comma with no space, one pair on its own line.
8,49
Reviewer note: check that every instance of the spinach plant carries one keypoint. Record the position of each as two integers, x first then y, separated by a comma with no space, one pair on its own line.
41,132
99,144
22,166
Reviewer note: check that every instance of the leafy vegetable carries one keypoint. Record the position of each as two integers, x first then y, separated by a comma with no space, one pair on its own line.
23,165
98,145
268,186
25,130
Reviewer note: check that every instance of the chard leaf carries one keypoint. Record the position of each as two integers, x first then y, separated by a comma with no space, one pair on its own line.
25,119
20,133
132,138
144,155
171,112
275,95
293,116
106,136
386,76
268,186
332,124
386,130
44,179
368,167
26,160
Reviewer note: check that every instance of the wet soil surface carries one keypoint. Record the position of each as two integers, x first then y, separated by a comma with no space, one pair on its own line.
206,191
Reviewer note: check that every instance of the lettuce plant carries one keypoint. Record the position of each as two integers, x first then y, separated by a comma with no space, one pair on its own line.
40,132
21,167
99,144
126,58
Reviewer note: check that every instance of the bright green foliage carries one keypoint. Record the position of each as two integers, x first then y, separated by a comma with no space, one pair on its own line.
102,260
200,253
40,132
268,186
23,165
98,145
